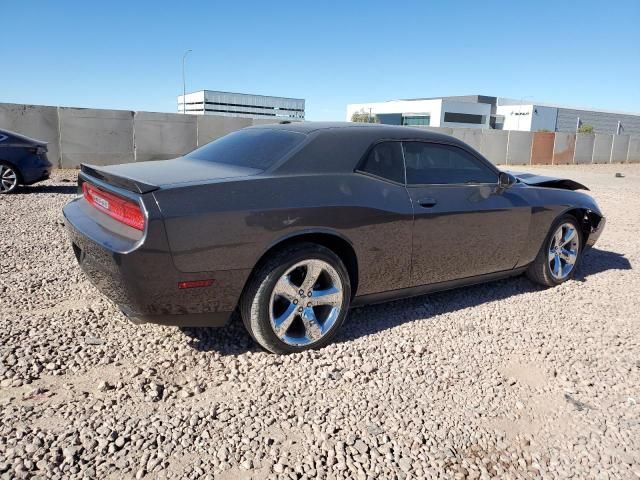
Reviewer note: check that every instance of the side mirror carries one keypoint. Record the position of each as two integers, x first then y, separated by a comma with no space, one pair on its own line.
505,180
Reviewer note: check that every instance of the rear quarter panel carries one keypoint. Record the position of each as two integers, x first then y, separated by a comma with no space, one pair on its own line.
230,225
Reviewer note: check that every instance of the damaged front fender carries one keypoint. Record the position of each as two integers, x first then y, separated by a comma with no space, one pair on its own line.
548,182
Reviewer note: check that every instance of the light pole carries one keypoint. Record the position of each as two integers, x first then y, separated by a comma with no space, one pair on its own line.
184,83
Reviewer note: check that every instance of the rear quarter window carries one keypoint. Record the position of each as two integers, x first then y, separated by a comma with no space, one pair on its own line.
258,149
385,161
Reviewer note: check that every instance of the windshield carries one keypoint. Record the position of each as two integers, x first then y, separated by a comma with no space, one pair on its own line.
259,148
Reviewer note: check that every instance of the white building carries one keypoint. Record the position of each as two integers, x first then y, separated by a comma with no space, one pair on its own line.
227,104
429,112
479,111
533,117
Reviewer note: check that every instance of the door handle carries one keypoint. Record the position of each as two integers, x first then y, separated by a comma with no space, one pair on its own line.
427,202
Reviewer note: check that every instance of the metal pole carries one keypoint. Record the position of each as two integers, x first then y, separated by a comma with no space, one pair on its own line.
184,84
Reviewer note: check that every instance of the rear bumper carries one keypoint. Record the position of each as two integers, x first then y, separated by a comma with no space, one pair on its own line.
35,169
33,175
143,281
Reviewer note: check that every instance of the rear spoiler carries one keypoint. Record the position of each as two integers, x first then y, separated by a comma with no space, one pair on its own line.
130,184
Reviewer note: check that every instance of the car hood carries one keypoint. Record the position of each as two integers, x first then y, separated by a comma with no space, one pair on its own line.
143,177
548,182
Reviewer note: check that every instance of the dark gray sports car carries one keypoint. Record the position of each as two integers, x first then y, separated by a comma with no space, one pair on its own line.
291,224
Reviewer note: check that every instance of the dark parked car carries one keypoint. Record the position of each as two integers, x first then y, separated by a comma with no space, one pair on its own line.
23,161
292,224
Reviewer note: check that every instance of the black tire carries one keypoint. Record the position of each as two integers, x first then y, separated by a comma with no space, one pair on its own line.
255,301
4,168
540,270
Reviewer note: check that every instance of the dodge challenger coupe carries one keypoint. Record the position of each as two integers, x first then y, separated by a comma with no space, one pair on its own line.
291,224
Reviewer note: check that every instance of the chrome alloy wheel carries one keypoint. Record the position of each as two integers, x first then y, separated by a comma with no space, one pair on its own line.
306,302
563,251
8,178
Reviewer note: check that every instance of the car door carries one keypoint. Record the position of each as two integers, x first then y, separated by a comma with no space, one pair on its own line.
464,223
384,238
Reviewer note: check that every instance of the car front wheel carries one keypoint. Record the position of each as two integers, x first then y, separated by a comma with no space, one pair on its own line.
560,254
297,299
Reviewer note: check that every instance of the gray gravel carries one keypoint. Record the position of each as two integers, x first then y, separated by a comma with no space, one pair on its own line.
502,380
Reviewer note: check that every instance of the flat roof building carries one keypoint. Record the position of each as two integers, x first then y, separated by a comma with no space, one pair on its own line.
481,111
427,112
228,104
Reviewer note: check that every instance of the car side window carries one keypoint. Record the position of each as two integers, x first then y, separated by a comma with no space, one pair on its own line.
434,163
385,161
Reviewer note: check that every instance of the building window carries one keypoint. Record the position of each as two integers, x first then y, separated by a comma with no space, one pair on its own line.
453,117
416,120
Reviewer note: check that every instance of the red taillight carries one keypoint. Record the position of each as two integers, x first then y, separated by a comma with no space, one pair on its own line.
124,211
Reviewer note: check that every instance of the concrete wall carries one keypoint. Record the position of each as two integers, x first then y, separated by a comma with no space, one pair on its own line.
584,148
620,148
542,148
36,122
634,150
160,136
99,137
210,127
106,137
443,130
263,121
564,146
494,146
602,148
470,136
519,148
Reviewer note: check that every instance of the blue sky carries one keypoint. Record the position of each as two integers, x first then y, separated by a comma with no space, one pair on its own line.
127,55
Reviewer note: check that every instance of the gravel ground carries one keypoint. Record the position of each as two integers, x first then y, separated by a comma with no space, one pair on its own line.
503,380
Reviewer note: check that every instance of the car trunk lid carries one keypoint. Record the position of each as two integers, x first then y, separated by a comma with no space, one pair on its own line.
145,177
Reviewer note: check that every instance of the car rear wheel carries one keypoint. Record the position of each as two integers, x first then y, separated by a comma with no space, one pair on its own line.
297,299
8,178
560,254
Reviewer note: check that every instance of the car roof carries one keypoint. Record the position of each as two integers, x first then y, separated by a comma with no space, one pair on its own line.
338,146
386,131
